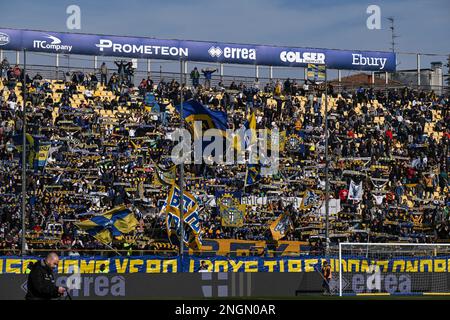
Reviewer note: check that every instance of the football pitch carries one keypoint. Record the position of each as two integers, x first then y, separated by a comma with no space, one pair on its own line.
387,297
320,297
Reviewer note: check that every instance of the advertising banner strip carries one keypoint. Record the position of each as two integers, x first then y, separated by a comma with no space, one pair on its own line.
201,51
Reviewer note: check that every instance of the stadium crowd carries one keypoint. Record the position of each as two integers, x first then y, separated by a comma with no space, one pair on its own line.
93,145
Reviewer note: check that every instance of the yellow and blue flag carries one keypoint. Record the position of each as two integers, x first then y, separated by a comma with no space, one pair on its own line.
192,229
232,216
316,72
310,199
211,119
31,145
41,157
166,176
247,135
253,174
250,124
295,142
280,227
227,198
231,211
113,223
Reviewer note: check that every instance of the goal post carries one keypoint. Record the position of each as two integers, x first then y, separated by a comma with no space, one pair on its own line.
393,269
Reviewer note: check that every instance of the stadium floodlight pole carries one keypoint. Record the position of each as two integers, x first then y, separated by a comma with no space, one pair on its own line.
149,67
24,151
57,66
181,177
418,71
327,182
340,269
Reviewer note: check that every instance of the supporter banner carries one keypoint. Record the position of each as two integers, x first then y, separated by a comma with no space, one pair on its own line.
151,48
233,247
142,264
153,264
313,264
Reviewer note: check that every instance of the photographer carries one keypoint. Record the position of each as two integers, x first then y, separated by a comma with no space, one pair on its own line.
41,281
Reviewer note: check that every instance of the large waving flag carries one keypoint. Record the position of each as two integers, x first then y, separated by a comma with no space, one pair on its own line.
211,119
192,230
113,223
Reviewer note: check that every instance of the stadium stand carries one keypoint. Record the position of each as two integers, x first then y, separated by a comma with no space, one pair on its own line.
104,141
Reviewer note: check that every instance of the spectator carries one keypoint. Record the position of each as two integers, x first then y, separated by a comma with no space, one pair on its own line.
207,73
103,74
4,67
195,77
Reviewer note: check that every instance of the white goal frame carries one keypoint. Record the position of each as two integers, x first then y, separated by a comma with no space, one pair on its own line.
381,244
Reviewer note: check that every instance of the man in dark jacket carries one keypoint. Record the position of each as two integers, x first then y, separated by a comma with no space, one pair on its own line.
41,281
195,76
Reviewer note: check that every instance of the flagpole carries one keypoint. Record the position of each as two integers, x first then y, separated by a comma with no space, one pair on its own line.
181,178
111,248
327,183
24,151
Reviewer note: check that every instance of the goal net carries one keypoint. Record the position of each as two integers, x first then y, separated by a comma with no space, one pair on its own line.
393,269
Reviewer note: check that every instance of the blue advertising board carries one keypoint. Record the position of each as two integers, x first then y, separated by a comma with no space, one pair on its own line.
201,51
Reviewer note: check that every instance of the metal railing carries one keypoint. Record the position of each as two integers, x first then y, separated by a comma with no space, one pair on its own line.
58,73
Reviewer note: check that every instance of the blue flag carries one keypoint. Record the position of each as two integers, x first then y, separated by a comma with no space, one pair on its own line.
195,111
253,174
